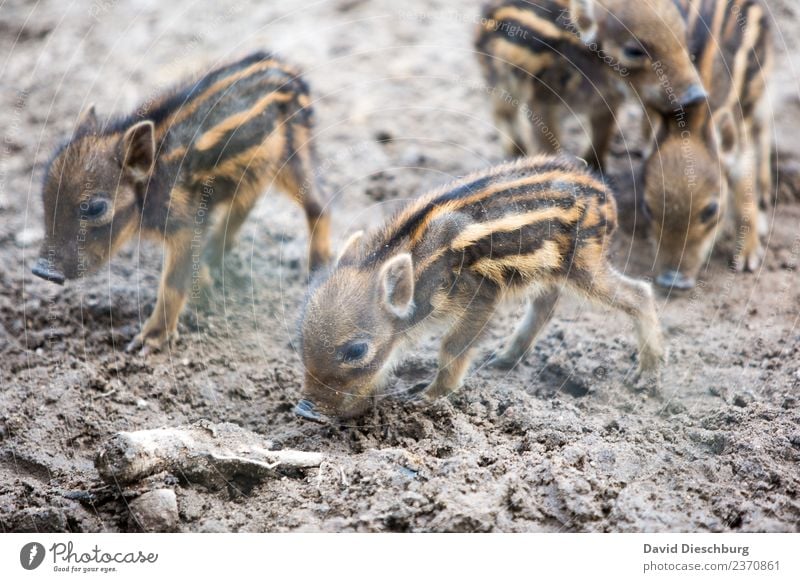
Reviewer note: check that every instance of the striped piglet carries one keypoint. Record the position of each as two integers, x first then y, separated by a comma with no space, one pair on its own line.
186,168
528,227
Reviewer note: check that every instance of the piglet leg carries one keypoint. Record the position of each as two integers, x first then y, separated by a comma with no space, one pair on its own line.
458,346
606,286
539,312
162,325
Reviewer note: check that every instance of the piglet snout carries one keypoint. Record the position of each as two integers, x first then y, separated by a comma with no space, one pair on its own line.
44,269
672,279
694,95
306,409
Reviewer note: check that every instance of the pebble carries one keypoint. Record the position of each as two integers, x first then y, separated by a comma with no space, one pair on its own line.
155,511
28,237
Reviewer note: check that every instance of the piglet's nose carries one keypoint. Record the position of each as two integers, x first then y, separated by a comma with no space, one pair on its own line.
44,269
694,94
672,279
306,409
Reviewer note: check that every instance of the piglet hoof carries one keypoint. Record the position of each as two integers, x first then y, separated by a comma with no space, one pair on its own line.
306,409
134,345
647,381
754,259
503,362
436,390
749,260
416,394
146,345
423,394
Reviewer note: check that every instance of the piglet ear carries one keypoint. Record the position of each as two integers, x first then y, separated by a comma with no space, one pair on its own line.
88,119
582,15
138,150
397,285
350,248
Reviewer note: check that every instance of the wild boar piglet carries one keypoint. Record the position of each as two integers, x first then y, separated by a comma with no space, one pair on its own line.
530,227
549,58
186,168
710,165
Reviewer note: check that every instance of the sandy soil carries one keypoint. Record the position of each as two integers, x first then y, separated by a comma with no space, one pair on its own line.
560,444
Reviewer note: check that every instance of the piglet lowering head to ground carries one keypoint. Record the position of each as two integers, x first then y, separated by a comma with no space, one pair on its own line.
526,228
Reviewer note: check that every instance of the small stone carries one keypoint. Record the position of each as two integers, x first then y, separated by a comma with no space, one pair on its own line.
212,526
413,158
142,403
28,237
383,137
155,511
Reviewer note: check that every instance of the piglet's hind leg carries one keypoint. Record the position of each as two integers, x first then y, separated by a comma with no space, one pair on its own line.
539,312
608,287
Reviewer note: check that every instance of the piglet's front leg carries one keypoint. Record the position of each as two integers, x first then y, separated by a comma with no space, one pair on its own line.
162,325
748,216
457,348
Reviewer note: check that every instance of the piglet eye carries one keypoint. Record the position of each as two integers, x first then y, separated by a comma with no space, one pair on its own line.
94,208
353,352
709,212
634,51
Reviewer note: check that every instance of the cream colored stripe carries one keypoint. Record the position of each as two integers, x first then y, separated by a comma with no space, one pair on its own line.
454,205
546,258
191,106
475,232
543,28
210,138
742,58
712,48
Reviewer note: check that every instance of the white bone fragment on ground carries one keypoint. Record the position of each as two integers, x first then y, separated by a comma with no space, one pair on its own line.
203,452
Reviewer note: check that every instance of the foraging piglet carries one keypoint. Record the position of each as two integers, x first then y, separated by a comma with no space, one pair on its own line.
547,58
711,163
186,168
527,227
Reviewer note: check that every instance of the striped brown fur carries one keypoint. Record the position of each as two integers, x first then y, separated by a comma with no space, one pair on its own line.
545,58
527,227
186,168
724,142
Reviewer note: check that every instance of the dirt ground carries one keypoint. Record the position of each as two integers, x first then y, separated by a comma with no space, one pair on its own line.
559,444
